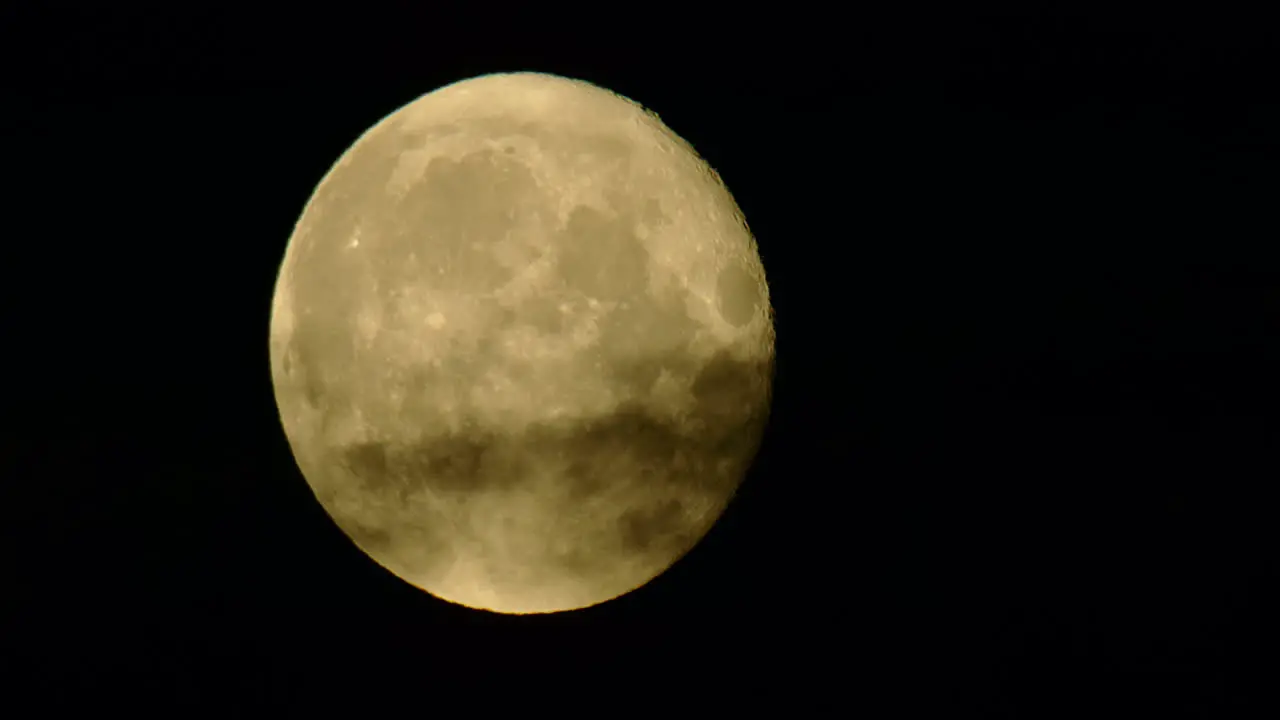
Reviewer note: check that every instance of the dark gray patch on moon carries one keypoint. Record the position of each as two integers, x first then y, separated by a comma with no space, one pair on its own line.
657,525
655,324
638,377
368,462
648,334
372,540
448,221
310,360
472,461
606,147
299,374
659,468
584,478
726,389
454,462
601,257
618,446
651,214
738,295
320,345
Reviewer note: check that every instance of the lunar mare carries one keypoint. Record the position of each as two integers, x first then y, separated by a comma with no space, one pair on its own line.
521,344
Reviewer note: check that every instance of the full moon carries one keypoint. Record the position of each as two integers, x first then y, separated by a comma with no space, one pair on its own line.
522,345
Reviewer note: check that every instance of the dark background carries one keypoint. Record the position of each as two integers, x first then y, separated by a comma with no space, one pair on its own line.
1024,433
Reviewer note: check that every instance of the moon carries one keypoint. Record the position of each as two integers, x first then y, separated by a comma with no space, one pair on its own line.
521,344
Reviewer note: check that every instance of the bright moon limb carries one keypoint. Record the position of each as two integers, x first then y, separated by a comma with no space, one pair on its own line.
521,344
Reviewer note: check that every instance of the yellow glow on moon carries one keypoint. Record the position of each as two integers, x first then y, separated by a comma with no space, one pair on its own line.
522,345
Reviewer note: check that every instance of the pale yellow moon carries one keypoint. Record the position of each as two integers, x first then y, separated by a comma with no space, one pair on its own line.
522,345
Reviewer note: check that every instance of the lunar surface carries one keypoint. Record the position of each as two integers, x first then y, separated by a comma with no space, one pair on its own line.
522,345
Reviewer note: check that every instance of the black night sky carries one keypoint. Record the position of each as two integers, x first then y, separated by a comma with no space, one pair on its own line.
1025,421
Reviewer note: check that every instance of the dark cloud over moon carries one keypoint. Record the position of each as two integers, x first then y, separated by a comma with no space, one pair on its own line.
521,348
657,482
